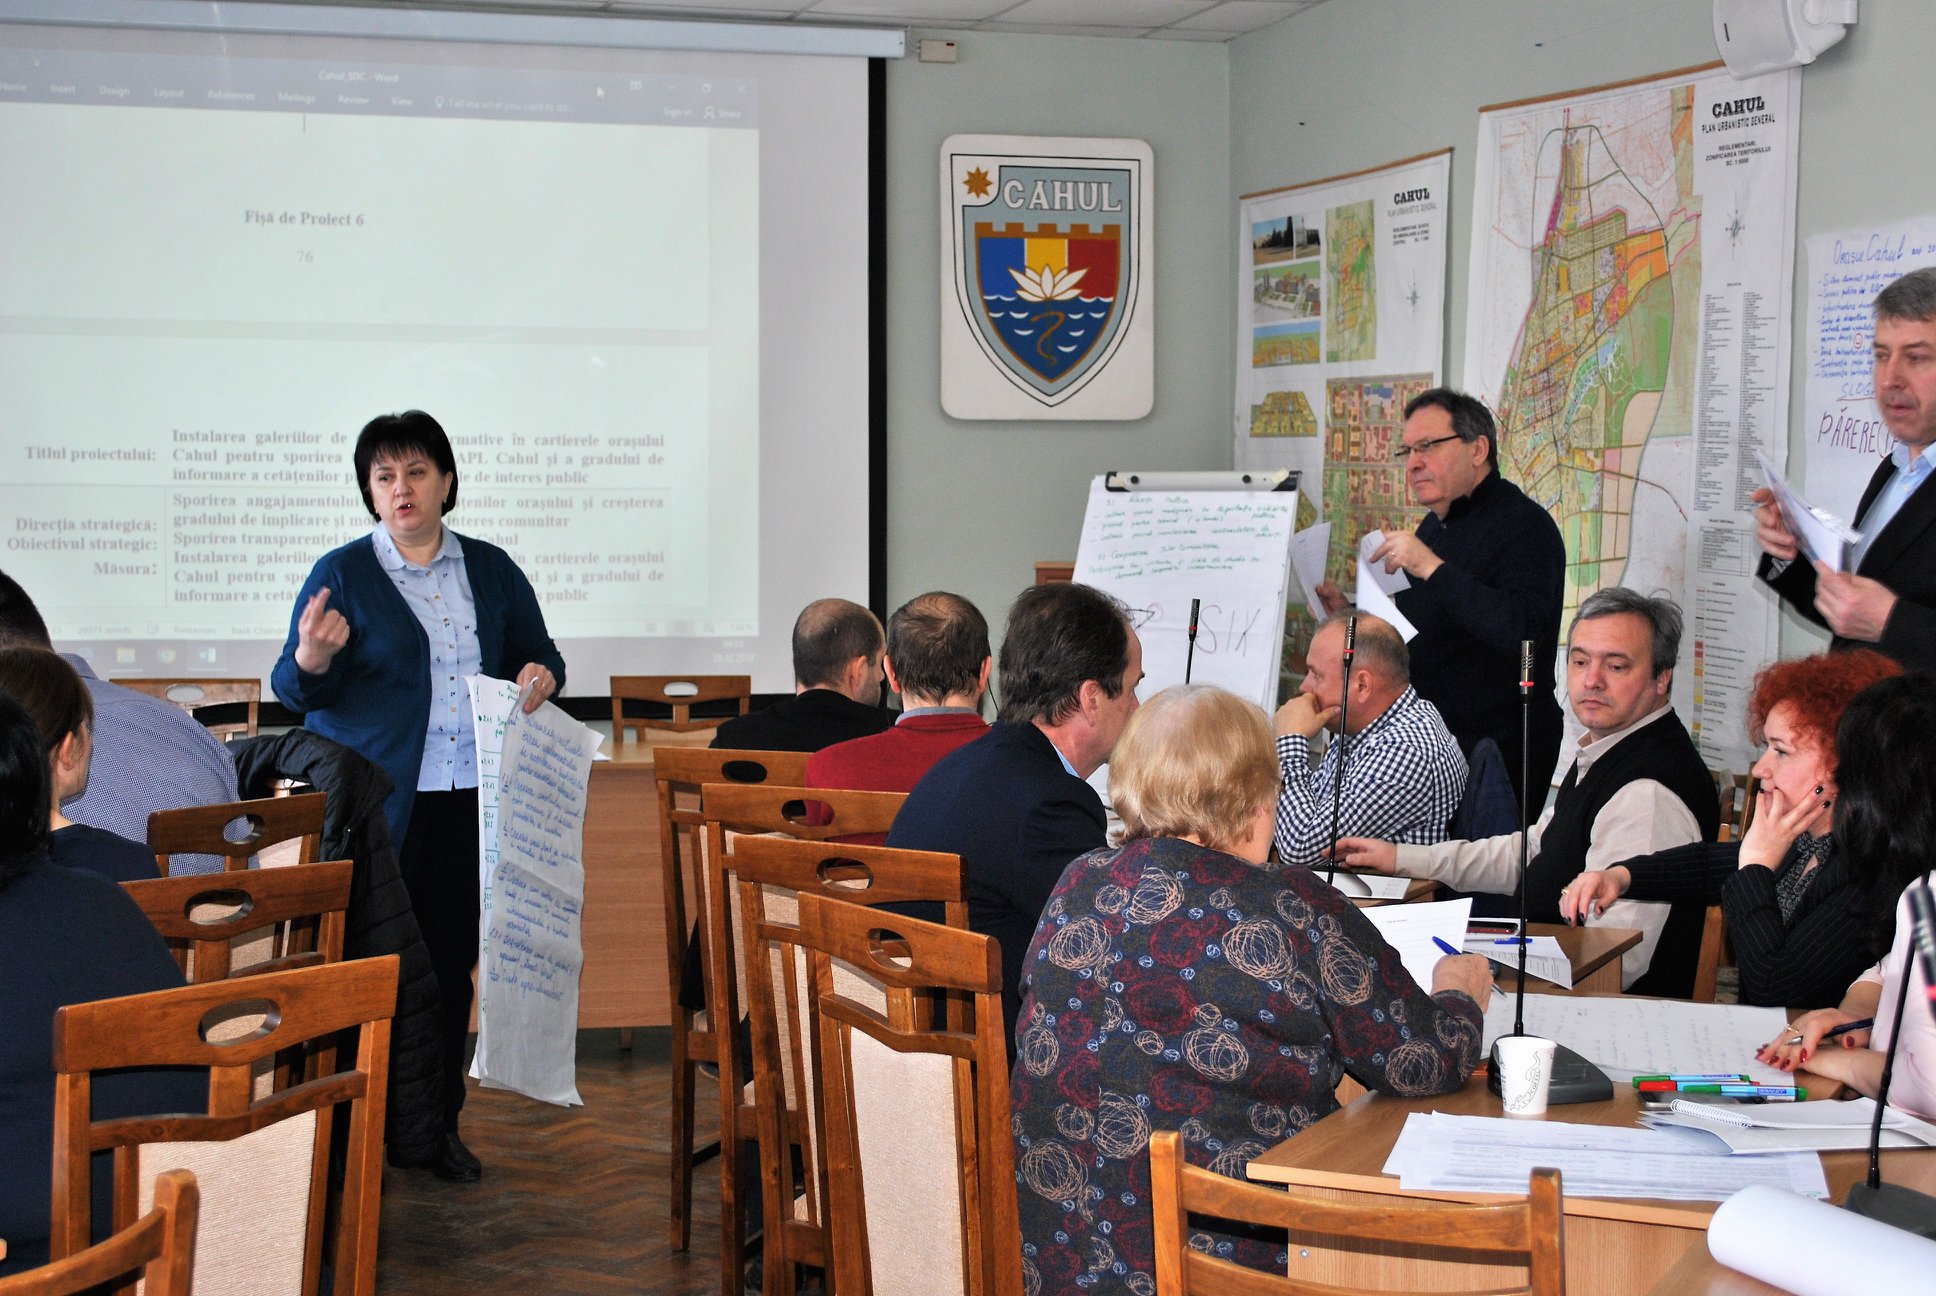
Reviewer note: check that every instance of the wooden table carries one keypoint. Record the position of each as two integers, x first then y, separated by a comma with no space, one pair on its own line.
1594,953
624,982
1617,1247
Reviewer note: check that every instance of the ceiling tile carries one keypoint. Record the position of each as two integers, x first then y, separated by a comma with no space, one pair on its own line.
1104,13
1060,29
930,12
1240,16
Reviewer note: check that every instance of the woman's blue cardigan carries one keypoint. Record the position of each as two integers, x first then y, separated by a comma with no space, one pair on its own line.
375,696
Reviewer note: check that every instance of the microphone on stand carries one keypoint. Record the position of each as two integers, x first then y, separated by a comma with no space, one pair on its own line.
1344,740
1894,1204
1190,658
1575,1080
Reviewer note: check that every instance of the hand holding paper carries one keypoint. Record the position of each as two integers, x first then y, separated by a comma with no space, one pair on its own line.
1375,587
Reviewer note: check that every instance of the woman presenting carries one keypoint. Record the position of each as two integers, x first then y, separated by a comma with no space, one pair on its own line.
384,632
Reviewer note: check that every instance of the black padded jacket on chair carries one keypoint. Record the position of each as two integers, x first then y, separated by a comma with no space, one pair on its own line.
380,920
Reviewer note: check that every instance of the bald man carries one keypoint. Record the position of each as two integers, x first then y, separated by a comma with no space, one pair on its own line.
837,651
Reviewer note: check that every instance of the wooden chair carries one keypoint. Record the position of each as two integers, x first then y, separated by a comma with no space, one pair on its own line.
263,1165
193,695
161,1244
202,916
680,772
920,1162
1737,796
735,809
772,873
1527,1232
204,830
1714,945
679,693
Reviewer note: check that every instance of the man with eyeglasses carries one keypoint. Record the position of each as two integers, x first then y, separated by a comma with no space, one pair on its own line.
1487,567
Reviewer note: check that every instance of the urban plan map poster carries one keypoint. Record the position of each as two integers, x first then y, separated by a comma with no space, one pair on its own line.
1627,320
1340,321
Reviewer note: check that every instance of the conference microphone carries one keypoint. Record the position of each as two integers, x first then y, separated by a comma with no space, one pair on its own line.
1893,1204
1922,905
1190,658
1575,1080
1344,740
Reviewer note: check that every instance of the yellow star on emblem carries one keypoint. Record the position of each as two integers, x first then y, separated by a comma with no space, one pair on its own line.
977,183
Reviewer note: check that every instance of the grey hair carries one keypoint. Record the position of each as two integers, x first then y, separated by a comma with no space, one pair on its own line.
1912,297
1378,645
1663,615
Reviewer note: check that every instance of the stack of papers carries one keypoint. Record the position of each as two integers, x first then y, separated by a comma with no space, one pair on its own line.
1544,957
1820,535
1788,1127
1372,886
1486,1154
1375,587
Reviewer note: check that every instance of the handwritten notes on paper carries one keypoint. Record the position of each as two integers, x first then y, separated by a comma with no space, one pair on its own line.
1843,437
531,797
1157,550
1629,1037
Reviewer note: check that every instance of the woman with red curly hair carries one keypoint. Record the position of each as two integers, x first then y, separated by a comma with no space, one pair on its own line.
1804,919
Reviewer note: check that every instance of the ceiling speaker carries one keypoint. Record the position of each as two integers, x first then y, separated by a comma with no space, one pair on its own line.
1756,36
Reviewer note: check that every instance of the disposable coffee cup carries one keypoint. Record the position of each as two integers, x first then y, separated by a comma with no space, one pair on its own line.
1525,1074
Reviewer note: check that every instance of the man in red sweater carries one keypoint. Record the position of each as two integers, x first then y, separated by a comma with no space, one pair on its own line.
938,661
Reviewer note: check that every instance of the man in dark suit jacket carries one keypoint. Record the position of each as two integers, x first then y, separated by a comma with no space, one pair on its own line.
837,650
1889,601
1013,804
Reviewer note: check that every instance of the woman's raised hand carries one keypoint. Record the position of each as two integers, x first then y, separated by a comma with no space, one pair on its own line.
321,633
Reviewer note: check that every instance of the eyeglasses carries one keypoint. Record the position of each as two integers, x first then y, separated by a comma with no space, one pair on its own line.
1405,452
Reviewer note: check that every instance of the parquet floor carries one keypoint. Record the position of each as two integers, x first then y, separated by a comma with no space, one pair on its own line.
573,1200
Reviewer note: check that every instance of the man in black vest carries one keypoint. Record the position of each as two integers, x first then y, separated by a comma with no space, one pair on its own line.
1637,783
1888,600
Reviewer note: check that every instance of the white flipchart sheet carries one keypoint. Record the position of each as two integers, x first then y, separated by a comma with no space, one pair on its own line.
531,950
1158,549
1813,1249
1628,1037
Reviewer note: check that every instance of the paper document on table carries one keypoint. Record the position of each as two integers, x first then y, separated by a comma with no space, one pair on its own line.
1308,548
1409,929
1439,1152
1377,599
1820,535
1792,1127
1544,957
1368,886
1628,1037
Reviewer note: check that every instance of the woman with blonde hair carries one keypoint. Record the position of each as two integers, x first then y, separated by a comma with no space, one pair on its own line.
1176,983
54,696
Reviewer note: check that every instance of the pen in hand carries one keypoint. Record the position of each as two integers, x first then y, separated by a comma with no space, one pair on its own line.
1446,945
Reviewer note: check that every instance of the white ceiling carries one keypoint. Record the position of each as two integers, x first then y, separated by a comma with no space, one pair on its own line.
1196,20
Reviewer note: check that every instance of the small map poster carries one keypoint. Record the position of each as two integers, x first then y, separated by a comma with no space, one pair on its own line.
1627,320
1340,320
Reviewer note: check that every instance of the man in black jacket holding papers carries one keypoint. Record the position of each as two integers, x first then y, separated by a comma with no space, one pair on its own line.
1889,600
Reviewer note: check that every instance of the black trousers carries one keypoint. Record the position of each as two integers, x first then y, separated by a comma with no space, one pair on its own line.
439,863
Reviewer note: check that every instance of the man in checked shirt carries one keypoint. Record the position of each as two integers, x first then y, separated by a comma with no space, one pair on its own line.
1403,773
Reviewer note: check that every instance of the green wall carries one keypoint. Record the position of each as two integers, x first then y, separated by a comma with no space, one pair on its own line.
972,505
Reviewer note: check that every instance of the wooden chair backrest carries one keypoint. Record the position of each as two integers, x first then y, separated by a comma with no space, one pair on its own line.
1737,797
1526,1231
161,1244
920,1162
678,692
201,916
773,873
246,1145
204,830
733,809
680,773
1714,946
191,695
